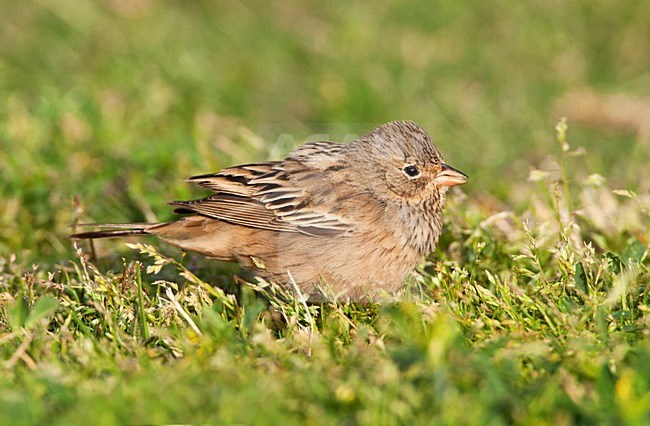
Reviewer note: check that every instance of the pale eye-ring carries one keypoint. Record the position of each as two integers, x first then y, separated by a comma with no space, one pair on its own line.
411,171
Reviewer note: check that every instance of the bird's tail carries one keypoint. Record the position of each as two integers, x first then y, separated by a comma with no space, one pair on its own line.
114,230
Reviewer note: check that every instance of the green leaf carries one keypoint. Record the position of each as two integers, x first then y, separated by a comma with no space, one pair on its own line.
634,251
17,313
579,278
44,307
602,324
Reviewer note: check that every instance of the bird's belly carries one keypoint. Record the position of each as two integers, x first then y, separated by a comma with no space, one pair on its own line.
353,267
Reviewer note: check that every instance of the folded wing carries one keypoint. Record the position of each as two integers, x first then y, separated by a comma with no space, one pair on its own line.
294,195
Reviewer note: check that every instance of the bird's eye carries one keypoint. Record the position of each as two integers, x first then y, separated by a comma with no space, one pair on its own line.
411,171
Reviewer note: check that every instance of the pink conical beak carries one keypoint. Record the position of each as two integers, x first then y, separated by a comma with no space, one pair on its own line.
449,176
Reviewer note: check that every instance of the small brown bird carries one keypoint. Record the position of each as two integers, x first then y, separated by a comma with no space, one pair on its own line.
347,220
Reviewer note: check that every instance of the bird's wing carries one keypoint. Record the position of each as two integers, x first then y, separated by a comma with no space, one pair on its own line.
294,195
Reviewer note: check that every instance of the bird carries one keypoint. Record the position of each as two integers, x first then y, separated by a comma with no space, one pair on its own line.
345,221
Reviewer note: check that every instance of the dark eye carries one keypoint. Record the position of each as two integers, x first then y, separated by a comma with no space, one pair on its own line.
411,171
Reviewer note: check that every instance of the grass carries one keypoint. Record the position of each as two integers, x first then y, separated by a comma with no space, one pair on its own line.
533,310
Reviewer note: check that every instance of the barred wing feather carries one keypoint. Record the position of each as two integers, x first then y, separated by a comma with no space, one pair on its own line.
279,196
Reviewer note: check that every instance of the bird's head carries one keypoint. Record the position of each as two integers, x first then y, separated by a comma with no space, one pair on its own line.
404,165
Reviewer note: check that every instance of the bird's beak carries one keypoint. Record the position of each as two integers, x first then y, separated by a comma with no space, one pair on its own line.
449,176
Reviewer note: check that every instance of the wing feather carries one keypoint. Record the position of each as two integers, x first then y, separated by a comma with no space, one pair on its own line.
229,209
285,196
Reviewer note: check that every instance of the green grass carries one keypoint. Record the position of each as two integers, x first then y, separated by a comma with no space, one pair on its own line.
534,310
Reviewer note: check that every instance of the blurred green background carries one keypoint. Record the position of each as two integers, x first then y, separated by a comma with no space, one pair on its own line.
116,102
107,106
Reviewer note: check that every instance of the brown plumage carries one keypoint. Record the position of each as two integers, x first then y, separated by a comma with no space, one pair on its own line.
348,220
